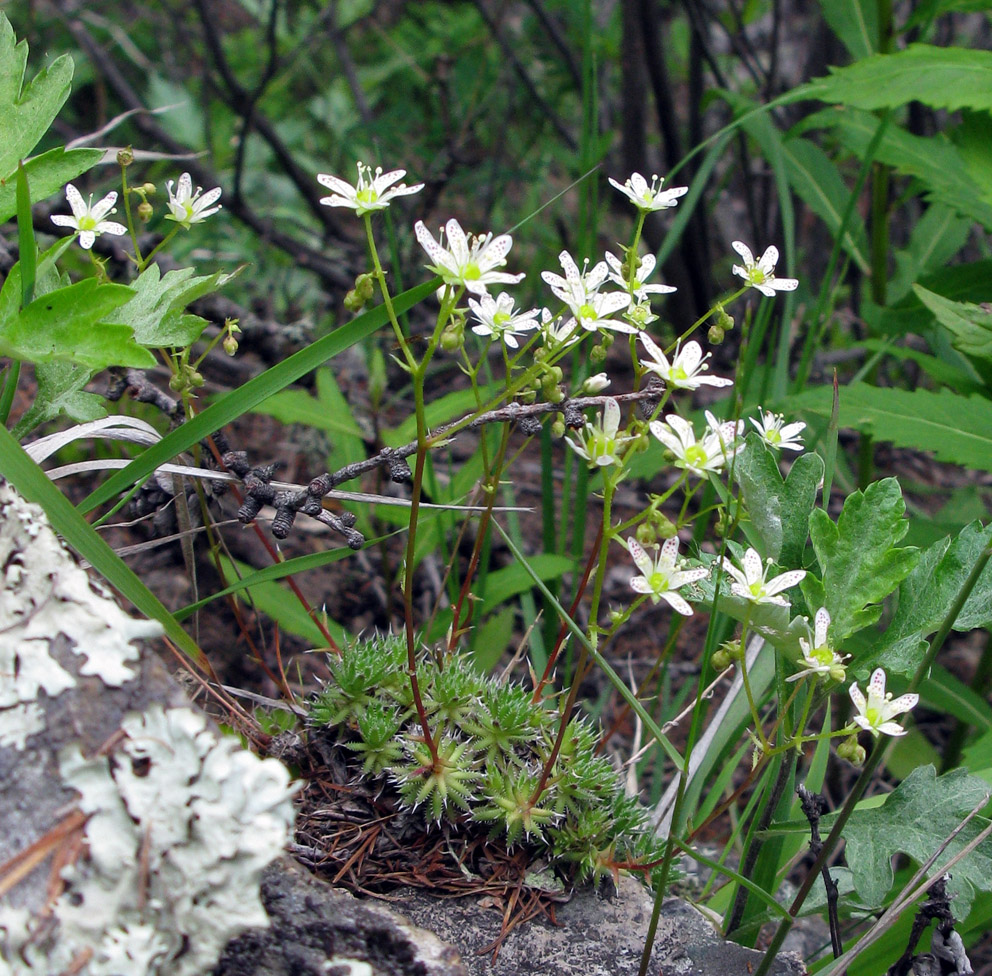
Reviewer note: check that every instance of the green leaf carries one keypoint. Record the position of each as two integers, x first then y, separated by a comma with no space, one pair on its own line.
503,584
941,77
60,390
971,325
928,10
157,310
47,174
915,819
934,160
68,324
927,594
855,22
955,428
942,372
25,115
492,638
858,556
937,236
944,693
778,508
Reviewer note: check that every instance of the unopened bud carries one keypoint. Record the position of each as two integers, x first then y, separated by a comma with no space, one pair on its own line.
607,339
851,750
145,211
596,384
365,286
734,649
597,355
722,525
721,660
230,345
353,301
616,617
148,189
664,527
558,428
125,156
646,534
715,335
453,337
723,320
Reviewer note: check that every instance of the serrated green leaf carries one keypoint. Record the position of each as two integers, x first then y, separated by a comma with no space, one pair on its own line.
25,115
971,325
955,428
941,77
855,22
937,236
157,310
859,558
47,174
942,372
778,508
60,390
68,325
934,160
915,819
927,10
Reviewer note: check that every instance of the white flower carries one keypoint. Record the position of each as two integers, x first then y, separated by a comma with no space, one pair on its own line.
575,288
777,436
372,191
661,577
760,274
820,659
595,384
468,261
87,218
645,267
498,318
699,457
187,207
598,312
685,371
750,583
580,292
559,333
874,714
649,198
598,443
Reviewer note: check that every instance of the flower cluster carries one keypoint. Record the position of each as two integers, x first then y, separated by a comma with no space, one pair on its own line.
709,454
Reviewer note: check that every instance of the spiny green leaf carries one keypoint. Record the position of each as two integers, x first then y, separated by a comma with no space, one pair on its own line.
858,556
25,115
956,428
778,508
47,174
157,310
941,77
915,819
971,325
68,324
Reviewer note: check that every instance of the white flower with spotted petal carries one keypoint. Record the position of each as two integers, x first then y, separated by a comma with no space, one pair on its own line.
468,262
662,576
88,217
876,713
777,434
750,581
760,274
649,198
187,207
599,443
373,191
686,371
820,658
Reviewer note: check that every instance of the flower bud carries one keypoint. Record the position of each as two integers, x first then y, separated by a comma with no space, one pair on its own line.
230,345
353,301
646,534
734,649
595,384
148,189
616,617
715,335
607,339
721,660
125,156
664,527
723,320
851,750
145,211
554,395
597,355
453,336
365,286
722,525
558,428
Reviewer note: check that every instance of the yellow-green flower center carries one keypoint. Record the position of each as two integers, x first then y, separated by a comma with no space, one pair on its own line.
87,223
756,276
501,318
366,194
658,581
695,456
471,272
586,311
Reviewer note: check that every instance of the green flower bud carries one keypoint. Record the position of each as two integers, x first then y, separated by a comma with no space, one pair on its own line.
558,428
715,335
734,649
597,355
723,320
230,345
353,301
646,534
145,211
125,156
664,527
721,660
453,337
851,750
149,189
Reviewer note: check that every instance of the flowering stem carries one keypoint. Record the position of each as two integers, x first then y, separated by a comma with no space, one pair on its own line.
702,318
143,263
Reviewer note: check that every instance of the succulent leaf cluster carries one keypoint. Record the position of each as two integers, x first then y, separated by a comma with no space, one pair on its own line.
493,743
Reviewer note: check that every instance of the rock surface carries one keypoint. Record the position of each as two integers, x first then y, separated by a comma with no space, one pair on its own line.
595,936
